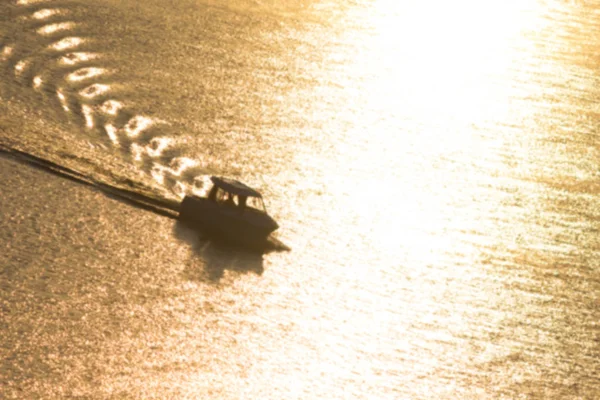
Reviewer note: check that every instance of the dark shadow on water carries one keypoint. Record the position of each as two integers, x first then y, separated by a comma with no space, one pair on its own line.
217,255
130,192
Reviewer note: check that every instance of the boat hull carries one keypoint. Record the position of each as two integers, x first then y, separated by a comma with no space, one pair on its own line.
248,227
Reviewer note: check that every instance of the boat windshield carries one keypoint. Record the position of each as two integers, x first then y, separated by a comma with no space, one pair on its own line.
225,198
256,203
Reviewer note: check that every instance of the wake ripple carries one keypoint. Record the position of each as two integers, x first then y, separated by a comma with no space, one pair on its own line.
64,66
134,197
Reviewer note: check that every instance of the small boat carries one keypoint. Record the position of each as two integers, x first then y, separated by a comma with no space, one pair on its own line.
231,210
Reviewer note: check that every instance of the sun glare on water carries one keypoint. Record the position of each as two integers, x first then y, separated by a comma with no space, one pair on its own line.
430,93
427,142
443,70
447,59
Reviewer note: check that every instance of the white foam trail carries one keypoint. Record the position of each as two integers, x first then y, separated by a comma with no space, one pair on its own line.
63,100
138,124
94,90
137,151
21,66
111,131
111,107
87,112
46,13
31,2
77,57
157,146
180,189
37,82
200,185
85,73
6,52
57,27
180,164
158,173
66,43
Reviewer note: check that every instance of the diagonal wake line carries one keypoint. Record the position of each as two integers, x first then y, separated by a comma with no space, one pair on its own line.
163,207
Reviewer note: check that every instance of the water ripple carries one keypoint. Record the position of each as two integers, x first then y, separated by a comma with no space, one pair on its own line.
78,57
78,81
51,29
47,13
67,43
86,73
94,90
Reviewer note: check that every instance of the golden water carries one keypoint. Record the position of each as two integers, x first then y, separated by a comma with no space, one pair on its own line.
433,165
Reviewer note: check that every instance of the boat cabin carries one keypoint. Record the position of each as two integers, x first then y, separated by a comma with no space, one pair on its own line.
232,193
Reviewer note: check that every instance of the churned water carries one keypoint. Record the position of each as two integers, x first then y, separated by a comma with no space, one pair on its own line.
433,166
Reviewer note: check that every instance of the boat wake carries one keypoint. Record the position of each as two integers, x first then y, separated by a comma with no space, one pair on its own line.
57,65
47,49
129,192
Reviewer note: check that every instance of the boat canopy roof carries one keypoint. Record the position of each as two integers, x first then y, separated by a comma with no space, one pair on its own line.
234,187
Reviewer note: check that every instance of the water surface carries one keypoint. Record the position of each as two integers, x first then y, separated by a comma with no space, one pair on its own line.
433,165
